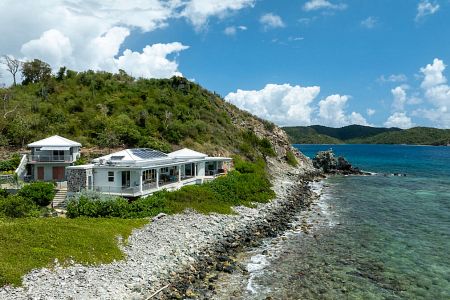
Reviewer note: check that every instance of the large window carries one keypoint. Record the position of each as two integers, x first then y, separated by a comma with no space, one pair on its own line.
149,176
110,176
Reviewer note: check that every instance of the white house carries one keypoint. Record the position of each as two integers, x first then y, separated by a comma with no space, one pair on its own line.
142,171
50,157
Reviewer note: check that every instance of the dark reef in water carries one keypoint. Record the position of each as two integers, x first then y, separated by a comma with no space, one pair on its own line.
329,164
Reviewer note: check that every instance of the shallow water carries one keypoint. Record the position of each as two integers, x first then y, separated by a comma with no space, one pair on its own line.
374,237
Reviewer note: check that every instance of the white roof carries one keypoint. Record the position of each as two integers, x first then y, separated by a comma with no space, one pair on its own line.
186,153
55,141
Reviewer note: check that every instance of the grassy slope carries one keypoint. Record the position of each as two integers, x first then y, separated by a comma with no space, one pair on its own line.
31,243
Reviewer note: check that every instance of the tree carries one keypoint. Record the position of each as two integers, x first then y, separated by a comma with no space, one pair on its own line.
35,71
12,65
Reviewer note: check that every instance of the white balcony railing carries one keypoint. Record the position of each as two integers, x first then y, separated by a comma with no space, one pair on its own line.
50,158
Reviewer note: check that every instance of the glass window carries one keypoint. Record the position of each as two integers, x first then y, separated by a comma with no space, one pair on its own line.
110,176
149,175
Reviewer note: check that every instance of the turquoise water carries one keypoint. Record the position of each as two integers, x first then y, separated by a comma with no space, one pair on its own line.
373,237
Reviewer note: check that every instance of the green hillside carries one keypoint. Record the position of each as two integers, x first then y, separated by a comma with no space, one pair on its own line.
357,134
105,110
351,131
416,136
308,135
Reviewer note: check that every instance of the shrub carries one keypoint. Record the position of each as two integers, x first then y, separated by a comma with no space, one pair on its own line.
3,193
11,164
84,206
291,159
149,206
15,206
41,193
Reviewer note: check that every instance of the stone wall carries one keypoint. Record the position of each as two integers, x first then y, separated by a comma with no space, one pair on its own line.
76,180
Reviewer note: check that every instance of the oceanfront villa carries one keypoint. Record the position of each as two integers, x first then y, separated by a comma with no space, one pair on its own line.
142,171
128,173
48,159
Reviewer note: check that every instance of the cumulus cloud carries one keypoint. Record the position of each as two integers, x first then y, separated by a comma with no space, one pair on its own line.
400,120
152,62
369,23
437,93
426,8
332,112
282,104
52,46
433,74
399,94
322,4
270,21
89,34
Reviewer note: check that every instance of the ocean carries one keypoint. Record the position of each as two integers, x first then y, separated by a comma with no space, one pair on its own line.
368,237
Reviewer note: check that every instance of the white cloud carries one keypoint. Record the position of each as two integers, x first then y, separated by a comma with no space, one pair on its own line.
283,104
399,94
357,118
433,74
232,30
198,11
295,38
393,78
369,23
270,21
152,62
370,112
400,120
52,47
332,112
322,4
426,8
437,93
88,34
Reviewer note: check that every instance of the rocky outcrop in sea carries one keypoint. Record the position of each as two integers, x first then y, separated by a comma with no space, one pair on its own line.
327,162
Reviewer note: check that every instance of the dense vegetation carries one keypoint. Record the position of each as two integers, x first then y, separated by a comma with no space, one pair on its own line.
111,110
30,243
8,166
244,186
357,134
29,201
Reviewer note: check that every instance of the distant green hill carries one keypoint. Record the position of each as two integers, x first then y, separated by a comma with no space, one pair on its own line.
357,134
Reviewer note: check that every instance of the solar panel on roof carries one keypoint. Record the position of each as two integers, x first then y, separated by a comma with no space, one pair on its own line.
145,153
117,157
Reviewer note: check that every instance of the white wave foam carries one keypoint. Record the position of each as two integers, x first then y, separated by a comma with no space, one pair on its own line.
255,267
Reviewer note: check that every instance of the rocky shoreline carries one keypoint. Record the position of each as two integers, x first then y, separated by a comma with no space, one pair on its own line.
177,256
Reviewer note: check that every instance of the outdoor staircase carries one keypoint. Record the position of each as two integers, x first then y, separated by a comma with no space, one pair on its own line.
59,201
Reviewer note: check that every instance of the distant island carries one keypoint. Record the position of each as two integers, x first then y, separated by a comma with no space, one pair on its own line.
358,134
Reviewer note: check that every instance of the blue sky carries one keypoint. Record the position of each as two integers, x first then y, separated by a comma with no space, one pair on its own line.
327,62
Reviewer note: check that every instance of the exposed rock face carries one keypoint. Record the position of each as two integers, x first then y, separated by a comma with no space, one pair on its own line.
329,164
277,137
